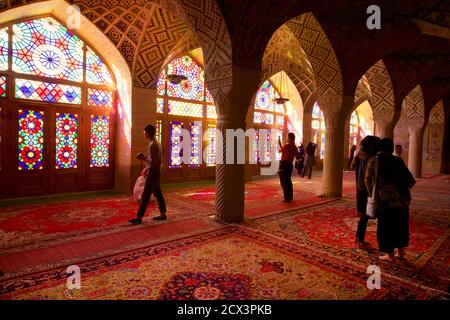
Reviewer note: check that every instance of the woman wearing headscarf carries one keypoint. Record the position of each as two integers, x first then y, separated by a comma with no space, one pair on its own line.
392,195
368,149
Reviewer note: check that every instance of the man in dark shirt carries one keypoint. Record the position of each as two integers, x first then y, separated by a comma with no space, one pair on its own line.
288,152
152,183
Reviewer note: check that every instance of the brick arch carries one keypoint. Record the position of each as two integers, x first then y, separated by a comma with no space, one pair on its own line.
187,43
383,99
414,106
437,114
307,29
282,47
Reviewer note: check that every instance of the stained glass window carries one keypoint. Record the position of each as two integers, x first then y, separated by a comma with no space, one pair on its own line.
191,89
44,47
100,140
66,141
175,144
318,129
161,85
181,108
196,144
211,112
211,148
263,117
100,98
2,86
31,140
265,97
48,92
160,105
280,120
96,70
159,130
4,49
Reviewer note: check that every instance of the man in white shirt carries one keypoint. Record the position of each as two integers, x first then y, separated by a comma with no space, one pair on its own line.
152,184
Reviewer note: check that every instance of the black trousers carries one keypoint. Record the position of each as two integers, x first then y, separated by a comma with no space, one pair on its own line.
285,174
361,205
304,172
152,186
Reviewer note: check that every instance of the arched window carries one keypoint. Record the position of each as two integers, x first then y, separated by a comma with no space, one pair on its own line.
267,115
318,129
187,105
354,129
62,99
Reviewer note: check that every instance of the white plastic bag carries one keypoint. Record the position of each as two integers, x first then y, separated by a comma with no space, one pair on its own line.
139,188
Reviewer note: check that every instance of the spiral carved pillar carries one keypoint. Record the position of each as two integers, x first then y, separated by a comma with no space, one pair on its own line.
232,113
334,142
415,151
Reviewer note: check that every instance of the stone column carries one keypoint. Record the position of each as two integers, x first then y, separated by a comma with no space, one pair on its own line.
384,125
416,130
232,113
332,107
307,118
445,165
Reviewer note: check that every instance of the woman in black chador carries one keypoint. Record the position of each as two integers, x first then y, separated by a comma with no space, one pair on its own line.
393,196
368,148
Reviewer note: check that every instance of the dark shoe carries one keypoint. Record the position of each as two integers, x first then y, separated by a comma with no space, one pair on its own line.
160,218
135,221
286,201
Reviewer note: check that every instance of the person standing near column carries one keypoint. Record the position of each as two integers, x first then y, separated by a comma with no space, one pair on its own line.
288,152
310,161
152,184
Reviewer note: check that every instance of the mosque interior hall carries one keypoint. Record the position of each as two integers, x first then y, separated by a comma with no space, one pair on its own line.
80,80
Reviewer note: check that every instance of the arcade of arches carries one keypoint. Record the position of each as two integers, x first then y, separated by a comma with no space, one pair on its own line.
77,90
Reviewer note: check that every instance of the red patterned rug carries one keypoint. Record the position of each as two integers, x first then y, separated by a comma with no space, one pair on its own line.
229,264
27,225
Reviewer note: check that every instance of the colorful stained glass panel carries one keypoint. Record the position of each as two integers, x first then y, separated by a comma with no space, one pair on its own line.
193,87
66,141
196,144
96,70
175,144
3,87
44,47
263,117
100,98
161,85
188,109
48,92
100,141
280,120
31,140
211,112
4,49
265,96
211,148
160,105
159,130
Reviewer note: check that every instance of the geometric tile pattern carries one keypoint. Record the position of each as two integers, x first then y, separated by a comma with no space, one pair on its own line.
415,108
318,48
160,37
437,114
383,103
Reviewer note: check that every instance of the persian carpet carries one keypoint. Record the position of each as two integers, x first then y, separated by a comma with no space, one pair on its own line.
233,263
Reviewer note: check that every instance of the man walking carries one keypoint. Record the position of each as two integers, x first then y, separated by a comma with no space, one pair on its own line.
288,152
152,184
